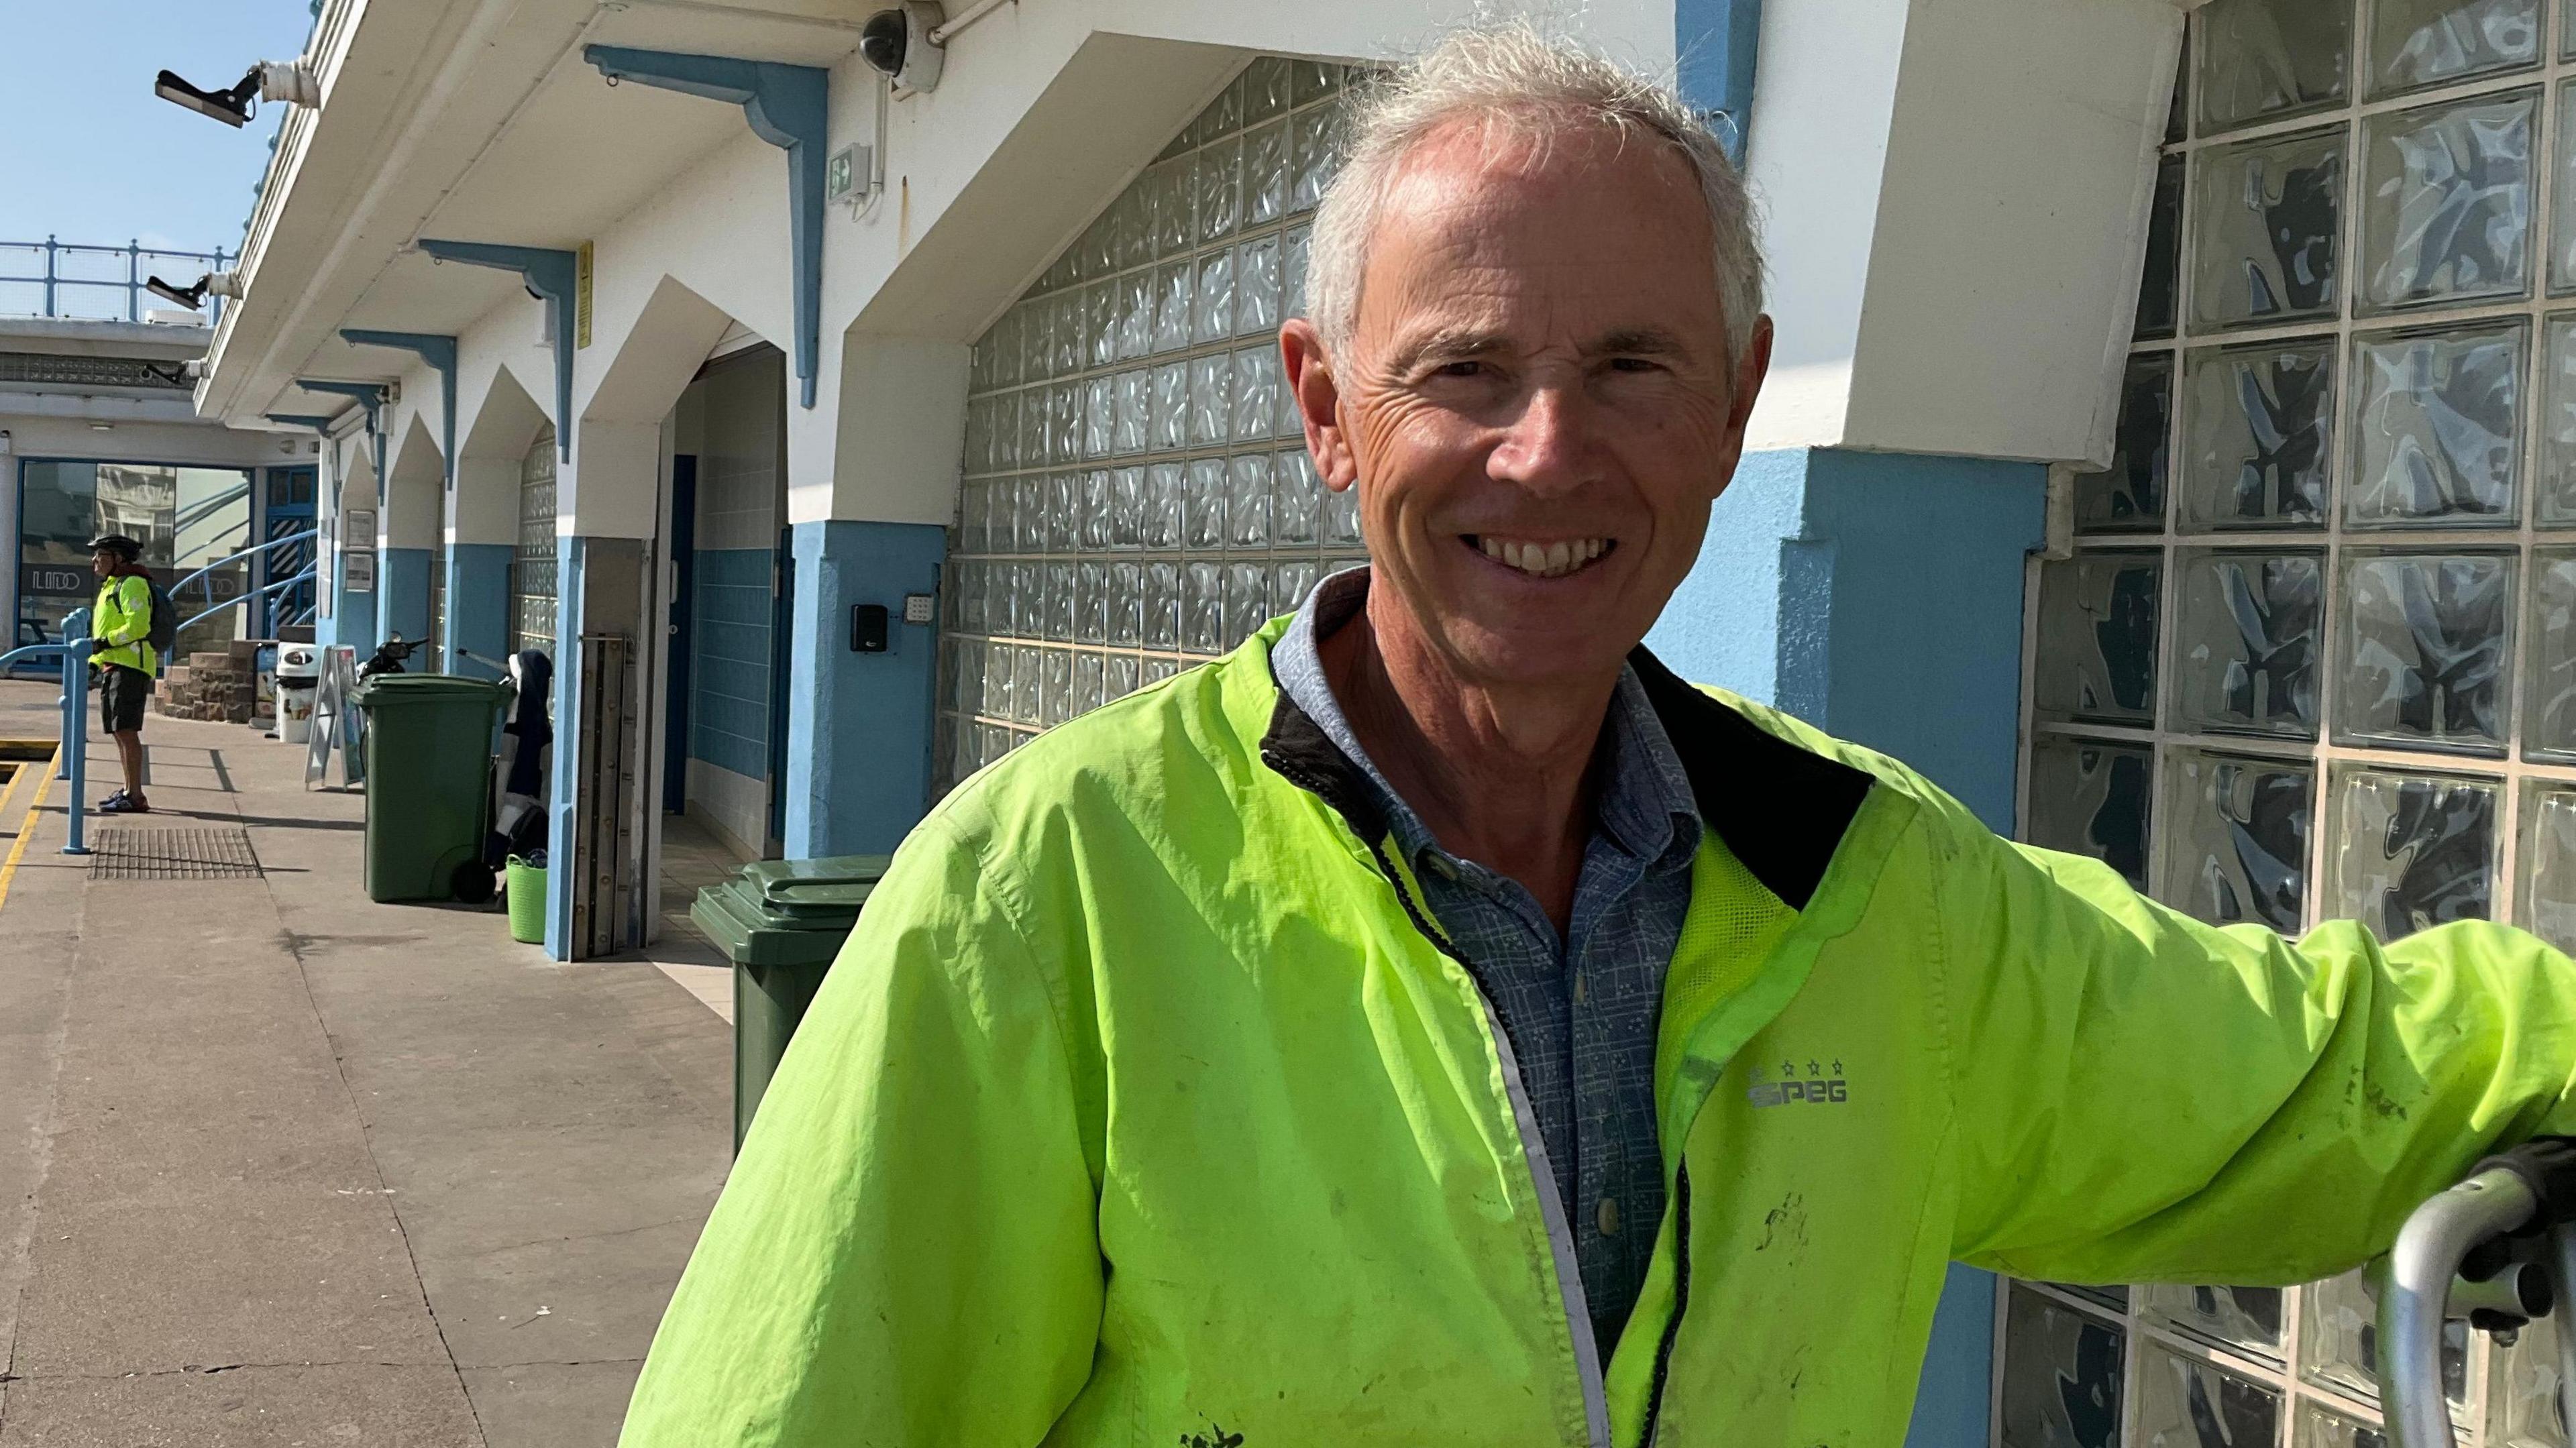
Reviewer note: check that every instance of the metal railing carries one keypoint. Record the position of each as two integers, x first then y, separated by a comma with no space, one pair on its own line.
71,280
72,759
287,541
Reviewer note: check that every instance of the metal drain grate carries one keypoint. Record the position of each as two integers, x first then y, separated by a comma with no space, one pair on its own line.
145,853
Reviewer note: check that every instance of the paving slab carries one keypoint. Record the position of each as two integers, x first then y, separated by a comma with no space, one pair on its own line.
250,1407
279,1164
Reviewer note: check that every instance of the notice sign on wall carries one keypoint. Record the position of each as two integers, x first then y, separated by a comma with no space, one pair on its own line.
359,571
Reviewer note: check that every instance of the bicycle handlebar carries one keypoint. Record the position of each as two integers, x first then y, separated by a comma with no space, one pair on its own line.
2509,1210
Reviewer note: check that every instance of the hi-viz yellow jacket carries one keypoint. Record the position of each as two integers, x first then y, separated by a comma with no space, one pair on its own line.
120,619
1143,1107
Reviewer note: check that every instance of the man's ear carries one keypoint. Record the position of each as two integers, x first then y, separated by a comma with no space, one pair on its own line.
1319,396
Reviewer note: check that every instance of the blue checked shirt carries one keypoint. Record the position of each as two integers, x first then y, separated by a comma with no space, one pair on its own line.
1581,1010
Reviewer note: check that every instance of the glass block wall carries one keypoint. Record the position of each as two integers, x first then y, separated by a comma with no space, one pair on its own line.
1137,491
2314,655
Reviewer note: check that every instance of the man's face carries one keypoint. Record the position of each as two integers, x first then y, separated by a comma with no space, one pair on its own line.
1536,404
103,561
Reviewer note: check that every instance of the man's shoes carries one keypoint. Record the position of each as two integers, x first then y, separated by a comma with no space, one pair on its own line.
121,803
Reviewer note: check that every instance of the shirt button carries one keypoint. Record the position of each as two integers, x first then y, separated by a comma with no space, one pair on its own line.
1607,1217
1441,867
1579,989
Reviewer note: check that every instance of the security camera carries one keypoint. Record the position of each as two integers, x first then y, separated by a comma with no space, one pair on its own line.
194,369
899,42
291,81
219,284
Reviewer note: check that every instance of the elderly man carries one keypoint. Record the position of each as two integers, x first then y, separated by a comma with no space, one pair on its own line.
1436,1023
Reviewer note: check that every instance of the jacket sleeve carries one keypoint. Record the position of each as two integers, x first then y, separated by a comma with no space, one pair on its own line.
906,1253
2143,1097
134,613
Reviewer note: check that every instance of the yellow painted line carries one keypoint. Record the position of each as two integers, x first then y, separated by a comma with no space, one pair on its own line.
26,822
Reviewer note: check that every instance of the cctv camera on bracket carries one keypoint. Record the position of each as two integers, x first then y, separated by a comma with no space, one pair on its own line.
291,81
219,284
899,43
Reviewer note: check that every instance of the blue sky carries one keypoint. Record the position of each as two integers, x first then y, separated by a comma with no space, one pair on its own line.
103,161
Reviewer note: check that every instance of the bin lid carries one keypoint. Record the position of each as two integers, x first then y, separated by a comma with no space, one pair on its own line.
831,884
747,937
299,661
400,689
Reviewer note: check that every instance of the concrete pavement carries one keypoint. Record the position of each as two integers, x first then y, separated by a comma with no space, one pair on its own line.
279,1165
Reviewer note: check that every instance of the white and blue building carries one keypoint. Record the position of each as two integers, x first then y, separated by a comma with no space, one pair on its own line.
2168,448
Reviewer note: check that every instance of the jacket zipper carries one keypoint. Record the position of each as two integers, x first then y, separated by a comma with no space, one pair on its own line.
1578,1317
1681,1303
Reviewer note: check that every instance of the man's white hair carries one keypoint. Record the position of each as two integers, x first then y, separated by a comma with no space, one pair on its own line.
1517,86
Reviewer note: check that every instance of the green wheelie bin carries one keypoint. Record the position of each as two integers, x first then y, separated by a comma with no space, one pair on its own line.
781,922
429,784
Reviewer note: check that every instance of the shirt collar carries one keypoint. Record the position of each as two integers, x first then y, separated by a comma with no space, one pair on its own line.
1644,806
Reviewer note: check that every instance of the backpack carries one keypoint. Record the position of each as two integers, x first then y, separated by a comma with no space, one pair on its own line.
165,619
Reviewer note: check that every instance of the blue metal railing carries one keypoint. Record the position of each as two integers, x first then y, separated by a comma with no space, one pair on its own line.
307,576
73,757
287,541
68,275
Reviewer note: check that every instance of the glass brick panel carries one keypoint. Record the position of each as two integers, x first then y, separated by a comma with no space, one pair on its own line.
1247,502
2260,60
2186,1401
2061,1376
2129,495
2236,837
2160,285
2097,636
1266,173
2424,658
2266,217
2319,1428
2522,1390
1212,315
2545,896
1297,500
2092,797
1256,282
2549,706
2407,852
2258,435
2338,1337
1203,608
2436,427
2418,43
2448,215
2554,484
2242,1317
2246,647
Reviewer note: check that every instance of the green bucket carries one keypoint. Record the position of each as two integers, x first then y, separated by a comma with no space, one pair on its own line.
527,885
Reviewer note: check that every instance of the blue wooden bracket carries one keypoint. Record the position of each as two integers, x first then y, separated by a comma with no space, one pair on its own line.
789,106
371,396
548,273
300,419
440,353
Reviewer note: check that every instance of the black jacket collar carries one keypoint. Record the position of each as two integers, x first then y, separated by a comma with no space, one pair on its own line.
1781,809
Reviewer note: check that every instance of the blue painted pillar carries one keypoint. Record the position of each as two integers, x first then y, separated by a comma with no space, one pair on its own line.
859,725
402,597
1879,597
478,606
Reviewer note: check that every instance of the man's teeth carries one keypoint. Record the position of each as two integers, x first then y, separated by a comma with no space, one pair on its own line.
1544,560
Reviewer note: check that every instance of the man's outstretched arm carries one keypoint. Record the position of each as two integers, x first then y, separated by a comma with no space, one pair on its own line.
906,1253
2143,1097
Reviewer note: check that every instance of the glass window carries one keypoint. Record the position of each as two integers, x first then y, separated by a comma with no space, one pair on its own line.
186,518
1151,365
2311,654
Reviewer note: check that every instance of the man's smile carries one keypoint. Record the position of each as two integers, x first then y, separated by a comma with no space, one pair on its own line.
1542,558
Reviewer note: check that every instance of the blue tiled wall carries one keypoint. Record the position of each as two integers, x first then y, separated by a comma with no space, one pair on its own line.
729,676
